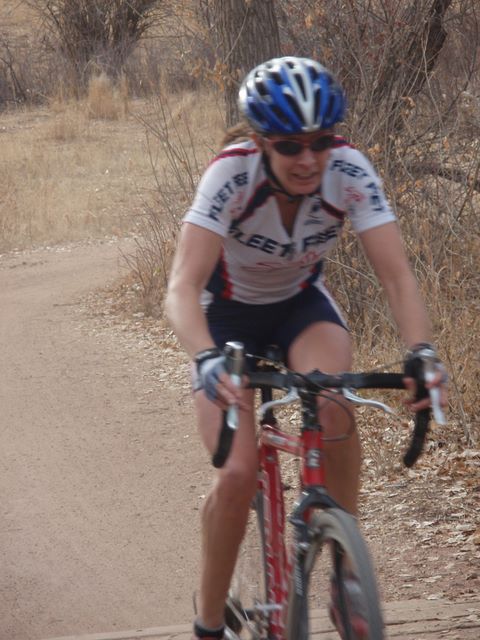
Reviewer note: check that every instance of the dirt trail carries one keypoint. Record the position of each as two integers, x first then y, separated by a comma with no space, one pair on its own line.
102,475
95,531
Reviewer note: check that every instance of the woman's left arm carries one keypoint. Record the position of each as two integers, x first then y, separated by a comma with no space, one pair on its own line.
384,249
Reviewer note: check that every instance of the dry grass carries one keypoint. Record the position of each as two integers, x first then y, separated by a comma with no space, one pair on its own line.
82,169
64,176
104,166
105,100
67,176
439,221
183,134
16,15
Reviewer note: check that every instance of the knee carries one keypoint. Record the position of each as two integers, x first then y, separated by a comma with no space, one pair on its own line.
236,485
337,420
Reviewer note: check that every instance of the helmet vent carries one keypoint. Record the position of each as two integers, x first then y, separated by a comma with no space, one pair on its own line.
301,84
277,77
261,88
316,107
294,106
280,114
256,113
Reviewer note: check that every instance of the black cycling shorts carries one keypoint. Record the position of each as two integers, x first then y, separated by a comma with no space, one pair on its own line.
279,323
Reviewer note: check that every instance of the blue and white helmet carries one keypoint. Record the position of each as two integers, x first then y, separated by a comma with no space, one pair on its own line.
291,95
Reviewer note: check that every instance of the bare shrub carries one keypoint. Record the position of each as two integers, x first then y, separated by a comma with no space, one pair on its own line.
12,88
96,34
25,73
411,74
166,63
68,43
179,143
409,69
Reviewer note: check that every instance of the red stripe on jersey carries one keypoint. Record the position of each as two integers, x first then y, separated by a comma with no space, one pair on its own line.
339,141
233,153
333,211
227,281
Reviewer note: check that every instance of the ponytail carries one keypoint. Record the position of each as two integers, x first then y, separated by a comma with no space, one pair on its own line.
240,132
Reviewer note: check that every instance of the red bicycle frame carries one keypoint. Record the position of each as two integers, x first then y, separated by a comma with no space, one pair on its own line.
309,447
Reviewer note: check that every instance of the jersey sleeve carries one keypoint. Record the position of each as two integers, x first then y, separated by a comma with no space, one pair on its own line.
365,200
219,194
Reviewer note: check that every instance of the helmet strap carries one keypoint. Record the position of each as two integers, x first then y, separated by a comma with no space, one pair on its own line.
278,186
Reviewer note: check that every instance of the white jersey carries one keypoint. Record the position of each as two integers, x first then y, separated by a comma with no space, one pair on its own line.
261,262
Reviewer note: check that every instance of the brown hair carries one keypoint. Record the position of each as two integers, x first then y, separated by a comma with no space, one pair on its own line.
240,132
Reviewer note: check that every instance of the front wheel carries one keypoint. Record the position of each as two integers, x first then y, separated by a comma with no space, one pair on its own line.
345,577
247,611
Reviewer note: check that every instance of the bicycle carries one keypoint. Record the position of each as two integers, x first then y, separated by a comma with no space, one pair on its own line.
274,602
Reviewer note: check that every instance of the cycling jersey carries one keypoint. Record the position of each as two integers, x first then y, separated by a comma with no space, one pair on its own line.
260,261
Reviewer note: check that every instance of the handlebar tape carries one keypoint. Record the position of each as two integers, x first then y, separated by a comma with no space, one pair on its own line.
376,381
224,444
414,369
234,360
415,449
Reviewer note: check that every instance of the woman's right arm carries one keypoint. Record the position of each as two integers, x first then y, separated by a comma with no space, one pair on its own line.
197,254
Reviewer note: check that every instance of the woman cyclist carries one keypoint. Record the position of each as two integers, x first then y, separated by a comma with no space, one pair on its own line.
248,267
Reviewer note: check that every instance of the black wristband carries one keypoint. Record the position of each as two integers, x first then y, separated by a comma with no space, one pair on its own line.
201,632
206,354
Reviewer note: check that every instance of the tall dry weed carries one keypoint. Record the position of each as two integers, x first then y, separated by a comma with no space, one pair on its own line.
68,123
181,134
433,184
106,99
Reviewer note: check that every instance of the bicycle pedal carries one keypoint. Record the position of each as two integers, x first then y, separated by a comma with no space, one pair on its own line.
233,612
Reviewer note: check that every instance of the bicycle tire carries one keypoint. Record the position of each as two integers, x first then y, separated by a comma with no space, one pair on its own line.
334,526
246,613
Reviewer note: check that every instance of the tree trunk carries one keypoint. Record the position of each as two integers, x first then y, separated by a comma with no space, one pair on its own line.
247,34
418,61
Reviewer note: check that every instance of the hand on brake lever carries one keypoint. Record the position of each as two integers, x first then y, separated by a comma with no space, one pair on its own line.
434,377
215,380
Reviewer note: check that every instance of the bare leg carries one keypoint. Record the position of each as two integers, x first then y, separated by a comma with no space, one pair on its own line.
226,509
326,346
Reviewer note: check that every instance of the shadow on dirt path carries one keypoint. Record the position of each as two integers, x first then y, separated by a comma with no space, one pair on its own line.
96,487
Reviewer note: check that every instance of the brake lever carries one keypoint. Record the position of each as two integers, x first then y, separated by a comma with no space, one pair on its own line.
291,396
434,392
234,364
352,397
234,354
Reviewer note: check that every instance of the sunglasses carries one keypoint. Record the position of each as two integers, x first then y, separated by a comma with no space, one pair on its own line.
288,147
